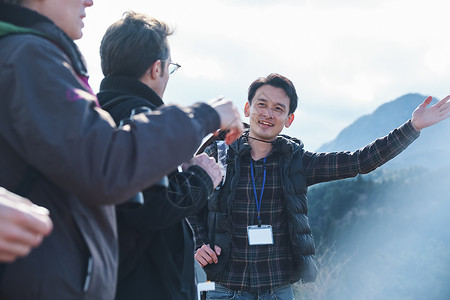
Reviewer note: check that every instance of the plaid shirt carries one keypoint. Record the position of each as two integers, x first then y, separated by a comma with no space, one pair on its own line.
263,267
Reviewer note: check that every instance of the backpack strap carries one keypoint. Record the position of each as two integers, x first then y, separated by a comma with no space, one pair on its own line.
222,150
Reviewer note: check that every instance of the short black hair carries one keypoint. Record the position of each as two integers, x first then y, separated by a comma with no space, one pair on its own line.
133,44
278,81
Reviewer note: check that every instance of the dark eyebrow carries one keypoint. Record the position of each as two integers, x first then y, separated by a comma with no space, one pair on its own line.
265,101
282,105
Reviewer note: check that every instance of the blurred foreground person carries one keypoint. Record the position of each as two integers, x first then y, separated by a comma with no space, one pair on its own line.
56,140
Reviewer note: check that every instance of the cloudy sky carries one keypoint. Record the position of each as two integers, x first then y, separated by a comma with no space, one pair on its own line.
345,57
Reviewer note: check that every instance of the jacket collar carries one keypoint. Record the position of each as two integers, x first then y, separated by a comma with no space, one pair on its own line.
285,144
114,85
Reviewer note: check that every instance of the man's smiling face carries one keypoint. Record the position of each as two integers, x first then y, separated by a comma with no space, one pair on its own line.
268,112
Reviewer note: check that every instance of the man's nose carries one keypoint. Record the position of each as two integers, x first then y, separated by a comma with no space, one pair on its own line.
88,3
269,113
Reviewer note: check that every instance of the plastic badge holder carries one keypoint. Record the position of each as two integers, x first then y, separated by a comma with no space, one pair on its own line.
260,235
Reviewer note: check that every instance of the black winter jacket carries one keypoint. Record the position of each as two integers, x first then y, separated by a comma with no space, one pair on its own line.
156,244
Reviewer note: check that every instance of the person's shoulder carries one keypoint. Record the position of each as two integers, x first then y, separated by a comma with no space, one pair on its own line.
291,140
19,47
26,41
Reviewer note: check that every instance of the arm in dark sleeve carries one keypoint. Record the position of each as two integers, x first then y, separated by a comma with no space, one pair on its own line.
53,121
198,221
165,206
323,167
198,225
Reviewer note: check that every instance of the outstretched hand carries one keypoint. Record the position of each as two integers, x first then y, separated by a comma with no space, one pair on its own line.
424,116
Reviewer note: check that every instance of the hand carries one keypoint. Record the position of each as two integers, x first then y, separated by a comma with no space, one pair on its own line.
230,119
205,255
423,117
23,225
208,164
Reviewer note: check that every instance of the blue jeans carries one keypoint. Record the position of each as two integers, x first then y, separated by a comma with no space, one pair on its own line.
221,292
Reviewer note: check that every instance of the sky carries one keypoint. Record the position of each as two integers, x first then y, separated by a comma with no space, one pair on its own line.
344,57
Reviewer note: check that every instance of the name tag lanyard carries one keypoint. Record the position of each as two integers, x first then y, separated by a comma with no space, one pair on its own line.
258,203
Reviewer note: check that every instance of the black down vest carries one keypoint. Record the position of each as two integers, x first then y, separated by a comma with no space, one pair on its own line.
294,194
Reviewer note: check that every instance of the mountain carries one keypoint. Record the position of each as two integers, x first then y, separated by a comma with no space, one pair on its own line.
430,150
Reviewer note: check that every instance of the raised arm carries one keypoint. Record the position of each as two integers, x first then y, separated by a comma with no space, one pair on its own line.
69,132
322,167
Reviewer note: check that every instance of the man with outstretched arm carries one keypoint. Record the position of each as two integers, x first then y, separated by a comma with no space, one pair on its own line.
254,239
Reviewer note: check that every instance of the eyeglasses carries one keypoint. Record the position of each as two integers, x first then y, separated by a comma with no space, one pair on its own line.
173,67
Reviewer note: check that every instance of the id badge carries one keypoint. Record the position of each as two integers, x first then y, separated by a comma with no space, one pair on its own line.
259,235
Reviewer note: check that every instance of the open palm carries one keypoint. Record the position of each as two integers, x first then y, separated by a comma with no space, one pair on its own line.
424,116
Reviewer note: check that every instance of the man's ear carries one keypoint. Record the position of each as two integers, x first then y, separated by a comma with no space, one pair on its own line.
247,110
289,120
155,69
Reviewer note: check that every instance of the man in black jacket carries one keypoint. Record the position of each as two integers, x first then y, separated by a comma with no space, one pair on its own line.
152,236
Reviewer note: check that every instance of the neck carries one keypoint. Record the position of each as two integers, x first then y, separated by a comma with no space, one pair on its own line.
260,148
147,80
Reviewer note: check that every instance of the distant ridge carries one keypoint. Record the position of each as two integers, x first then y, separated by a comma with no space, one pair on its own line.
431,150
